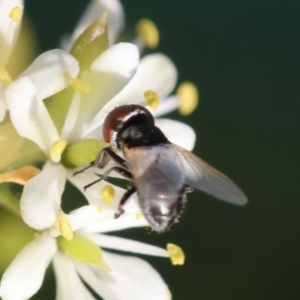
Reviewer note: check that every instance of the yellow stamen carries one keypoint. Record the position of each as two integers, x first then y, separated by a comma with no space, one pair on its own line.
5,77
65,227
148,33
107,194
176,254
100,209
57,149
138,216
151,99
169,295
188,98
20,176
15,14
80,86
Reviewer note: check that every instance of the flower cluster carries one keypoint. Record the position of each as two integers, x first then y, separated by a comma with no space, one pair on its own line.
53,114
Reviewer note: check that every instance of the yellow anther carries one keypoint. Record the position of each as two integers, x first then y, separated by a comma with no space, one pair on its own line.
151,99
176,254
107,194
4,76
138,216
57,150
65,228
15,14
20,176
100,209
188,98
80,86
148,33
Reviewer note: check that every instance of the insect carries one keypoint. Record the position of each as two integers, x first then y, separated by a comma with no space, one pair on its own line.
162,173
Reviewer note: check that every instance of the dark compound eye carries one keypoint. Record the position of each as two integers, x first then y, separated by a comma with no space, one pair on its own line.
122,117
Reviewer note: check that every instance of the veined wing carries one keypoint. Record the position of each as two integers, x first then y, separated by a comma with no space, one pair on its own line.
201,176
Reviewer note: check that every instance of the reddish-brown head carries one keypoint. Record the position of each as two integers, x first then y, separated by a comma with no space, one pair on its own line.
122,117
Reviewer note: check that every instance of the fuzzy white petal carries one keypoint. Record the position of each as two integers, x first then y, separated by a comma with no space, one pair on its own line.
94,281
177,132
29,114
155,72
3,105
108,75
9,29
132,278
93,12
118,243
71,117
41,197
111,224
52,71
68,282
24,276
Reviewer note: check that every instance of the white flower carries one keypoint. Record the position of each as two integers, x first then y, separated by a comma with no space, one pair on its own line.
113,79
116,77
11,12
118,277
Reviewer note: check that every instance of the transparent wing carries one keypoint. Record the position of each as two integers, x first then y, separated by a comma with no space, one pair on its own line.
157,174
201,176
156,170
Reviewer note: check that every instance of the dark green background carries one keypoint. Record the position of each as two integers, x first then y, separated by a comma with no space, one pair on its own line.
244,58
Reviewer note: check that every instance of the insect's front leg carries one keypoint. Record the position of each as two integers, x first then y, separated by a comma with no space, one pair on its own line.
121,171
102,159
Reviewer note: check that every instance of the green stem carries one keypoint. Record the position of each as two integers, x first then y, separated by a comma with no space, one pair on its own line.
8,200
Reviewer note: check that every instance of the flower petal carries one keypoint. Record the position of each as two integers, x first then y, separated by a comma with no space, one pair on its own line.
122,244
71,117
52,71
108,75
132,278
93,12
95,282
111,224
41,197
68,283
3,105
10,24
24,276
29,114
155,72
177,132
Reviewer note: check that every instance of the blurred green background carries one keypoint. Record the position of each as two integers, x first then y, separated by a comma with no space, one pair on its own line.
244,58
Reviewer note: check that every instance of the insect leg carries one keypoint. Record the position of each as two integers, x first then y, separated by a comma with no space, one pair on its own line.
119,170
115,157
123,200
102,160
